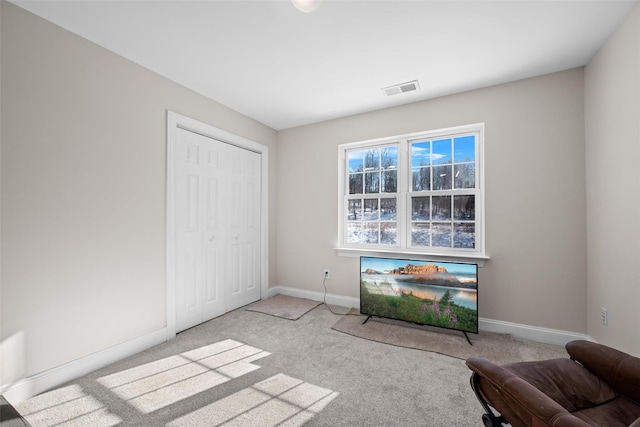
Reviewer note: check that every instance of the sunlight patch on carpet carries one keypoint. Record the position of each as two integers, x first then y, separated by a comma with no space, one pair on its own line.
67,406
280,400
159,384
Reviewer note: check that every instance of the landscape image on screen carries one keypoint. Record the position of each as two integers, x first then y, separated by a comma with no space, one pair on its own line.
442,294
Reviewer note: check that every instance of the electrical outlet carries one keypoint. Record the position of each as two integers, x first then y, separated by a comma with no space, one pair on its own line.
327,273
605,316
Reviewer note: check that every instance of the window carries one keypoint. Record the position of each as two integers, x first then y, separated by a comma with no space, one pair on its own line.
418,193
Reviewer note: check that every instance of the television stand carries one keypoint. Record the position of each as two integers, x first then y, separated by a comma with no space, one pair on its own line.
467,337
464,332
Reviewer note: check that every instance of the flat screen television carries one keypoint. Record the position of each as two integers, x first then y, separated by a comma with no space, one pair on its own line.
442,294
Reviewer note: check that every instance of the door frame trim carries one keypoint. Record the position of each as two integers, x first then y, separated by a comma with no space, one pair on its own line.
177,121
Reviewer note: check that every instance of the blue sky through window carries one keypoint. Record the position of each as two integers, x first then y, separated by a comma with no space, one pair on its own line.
384,157
355,161
423,154
441,152
464,149
420,153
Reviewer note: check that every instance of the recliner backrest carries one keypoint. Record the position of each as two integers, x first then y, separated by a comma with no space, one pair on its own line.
620,370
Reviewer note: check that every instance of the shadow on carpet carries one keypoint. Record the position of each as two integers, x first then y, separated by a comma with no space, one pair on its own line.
284,306
499,348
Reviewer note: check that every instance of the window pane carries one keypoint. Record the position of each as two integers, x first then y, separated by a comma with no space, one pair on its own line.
465,175
371,209
420,234
372,159
441,235
420,209
388,209
464,208
388,233
355,161
355,183
441,152
389,181
389,158
355,210
372,182
420,154
464,149
441,208
370,232
421,179
464,235
442,177
354,230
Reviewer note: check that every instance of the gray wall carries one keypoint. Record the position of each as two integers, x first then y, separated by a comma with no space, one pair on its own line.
83,190
612,119
535,196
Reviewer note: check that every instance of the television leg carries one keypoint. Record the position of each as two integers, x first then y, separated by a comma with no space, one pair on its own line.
367,319
465,334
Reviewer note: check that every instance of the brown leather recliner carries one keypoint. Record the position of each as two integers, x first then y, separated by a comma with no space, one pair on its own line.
596,386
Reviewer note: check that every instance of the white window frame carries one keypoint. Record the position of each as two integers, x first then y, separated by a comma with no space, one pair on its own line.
403,204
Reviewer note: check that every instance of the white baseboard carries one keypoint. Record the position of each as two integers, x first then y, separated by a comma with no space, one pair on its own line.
54,377
530,333
516,330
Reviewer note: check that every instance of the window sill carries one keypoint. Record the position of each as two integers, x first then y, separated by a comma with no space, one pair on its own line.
468,258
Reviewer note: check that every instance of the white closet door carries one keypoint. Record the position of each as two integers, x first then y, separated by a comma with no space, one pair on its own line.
244,230
214,205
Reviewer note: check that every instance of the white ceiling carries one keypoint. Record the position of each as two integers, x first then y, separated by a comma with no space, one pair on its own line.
285,68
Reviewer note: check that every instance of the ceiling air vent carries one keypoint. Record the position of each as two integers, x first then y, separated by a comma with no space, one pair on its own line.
401,88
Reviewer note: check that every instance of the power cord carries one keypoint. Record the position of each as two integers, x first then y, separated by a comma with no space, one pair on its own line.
324,299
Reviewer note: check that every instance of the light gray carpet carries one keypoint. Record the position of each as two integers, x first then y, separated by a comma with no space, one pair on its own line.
284,306
250,369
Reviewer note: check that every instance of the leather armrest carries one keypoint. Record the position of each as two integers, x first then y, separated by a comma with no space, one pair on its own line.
525,399
620,370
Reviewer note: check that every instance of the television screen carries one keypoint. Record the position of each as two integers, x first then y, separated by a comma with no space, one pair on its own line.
442,294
